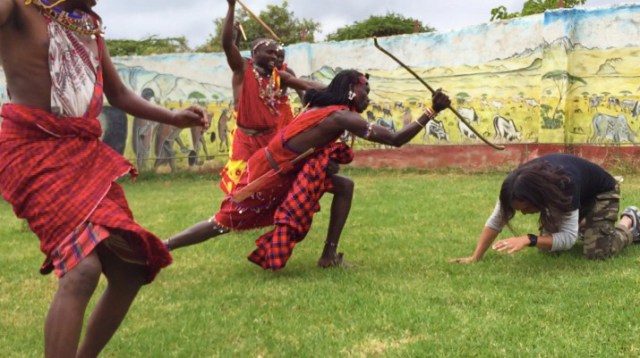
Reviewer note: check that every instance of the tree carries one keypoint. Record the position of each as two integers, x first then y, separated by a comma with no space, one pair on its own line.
531,7
565,84
461,98
378,26
147,46
282,21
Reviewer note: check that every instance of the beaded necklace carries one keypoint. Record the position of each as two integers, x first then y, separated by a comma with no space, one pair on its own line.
79,22
270,92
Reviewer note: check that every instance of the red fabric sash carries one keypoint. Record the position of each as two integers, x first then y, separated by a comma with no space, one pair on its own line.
258,164
259,209
55,172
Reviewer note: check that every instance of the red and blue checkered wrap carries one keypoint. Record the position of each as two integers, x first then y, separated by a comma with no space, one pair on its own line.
294,216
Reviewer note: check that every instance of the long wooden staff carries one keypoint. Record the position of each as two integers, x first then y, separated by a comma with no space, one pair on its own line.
273,34
257,184
375,42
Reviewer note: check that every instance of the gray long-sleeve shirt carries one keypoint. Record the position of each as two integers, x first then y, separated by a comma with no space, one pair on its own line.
564,239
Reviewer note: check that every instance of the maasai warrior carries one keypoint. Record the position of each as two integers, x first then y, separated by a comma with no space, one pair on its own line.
59,176
291,184
257,93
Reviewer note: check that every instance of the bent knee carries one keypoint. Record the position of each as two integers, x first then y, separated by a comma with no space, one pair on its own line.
342,185
83,278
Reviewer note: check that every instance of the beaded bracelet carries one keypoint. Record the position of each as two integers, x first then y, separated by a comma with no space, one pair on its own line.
368,131
429,112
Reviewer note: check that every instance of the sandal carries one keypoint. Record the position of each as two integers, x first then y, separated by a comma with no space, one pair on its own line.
632,213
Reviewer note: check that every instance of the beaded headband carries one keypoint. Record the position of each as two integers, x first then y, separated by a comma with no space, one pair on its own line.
262,43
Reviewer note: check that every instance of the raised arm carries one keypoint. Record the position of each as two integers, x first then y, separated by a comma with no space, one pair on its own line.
123,98
231,50
7,7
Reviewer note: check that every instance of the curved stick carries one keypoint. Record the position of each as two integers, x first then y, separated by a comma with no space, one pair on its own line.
464,120
257,18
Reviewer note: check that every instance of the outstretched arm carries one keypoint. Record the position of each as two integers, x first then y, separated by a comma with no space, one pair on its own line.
484,242
290,80
231,50
375,133
300,92
123,98
7,7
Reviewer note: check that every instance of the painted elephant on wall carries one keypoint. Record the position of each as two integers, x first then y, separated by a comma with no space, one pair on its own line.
114,128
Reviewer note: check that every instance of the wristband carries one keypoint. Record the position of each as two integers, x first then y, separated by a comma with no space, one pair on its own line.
429,112
533,240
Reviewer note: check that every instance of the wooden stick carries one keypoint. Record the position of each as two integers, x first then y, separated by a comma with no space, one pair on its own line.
273,34
464,120
256,184
244,36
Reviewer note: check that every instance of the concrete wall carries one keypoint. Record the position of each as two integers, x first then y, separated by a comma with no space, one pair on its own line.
563,79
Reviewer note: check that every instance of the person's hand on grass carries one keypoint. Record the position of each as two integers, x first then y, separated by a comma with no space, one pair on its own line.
511,245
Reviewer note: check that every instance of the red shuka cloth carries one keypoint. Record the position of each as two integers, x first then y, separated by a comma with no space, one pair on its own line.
259,209
55,172
253,114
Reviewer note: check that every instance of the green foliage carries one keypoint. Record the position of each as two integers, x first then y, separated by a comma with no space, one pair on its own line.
148,46
462,97
531,7
379,26
196,95
283,22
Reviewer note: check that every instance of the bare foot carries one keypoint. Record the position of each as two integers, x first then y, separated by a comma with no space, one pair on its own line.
335,261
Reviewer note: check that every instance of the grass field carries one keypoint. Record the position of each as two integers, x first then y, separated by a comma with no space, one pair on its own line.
403,299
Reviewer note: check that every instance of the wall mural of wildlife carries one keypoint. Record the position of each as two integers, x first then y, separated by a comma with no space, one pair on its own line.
565,76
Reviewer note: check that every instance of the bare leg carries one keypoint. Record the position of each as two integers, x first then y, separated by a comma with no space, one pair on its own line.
124,282
66,314
197,233
340,207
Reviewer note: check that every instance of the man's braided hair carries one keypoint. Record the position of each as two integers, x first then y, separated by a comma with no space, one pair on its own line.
338,90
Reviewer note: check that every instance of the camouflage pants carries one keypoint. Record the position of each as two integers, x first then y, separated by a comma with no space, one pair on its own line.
604,238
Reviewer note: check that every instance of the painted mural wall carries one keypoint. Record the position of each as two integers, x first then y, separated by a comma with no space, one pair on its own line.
566,76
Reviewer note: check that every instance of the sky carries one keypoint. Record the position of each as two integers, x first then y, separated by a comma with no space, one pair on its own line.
136,19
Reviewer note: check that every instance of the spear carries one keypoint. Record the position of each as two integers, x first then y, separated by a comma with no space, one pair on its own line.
273,34
464,120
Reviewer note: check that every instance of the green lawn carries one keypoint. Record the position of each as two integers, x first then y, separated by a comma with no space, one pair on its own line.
403,299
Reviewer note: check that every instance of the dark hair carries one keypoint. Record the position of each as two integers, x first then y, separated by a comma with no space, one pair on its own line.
542,185
337,92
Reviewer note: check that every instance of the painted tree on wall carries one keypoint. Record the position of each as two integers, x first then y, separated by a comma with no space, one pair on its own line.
565,83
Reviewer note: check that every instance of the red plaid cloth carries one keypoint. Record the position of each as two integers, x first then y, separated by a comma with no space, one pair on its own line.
56,173
259,209
294,216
